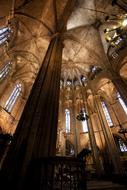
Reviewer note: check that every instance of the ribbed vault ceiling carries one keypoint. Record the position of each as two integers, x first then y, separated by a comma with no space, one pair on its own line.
37,20
84,48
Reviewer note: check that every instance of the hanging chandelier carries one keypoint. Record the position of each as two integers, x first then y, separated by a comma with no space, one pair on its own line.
116,32
82,116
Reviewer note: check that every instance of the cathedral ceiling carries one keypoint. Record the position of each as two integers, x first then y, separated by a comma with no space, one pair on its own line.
37,20
84,49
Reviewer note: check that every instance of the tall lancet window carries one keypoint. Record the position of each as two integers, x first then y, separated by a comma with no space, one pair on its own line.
84,124
13,97
5,70
67,120
107,115
122,102
4,34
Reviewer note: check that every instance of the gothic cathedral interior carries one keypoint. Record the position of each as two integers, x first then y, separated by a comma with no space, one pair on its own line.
63,94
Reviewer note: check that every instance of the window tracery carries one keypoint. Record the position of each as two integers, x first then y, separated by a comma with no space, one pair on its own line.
4,34
13,97
84,123
67,120
107,115
5,70
122,102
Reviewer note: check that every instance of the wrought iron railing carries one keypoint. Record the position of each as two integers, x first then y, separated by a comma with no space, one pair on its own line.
114,52
58,173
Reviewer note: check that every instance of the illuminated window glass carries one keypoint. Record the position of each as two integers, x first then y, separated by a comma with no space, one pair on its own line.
84,124
107,115
5,70
13,97
123,147
4,34
122,102
67,120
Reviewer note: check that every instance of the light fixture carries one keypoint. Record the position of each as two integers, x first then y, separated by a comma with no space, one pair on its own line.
82,116
124,22
117,30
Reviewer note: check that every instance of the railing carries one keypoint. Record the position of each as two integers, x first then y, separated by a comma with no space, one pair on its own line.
113,52
116,55
57,173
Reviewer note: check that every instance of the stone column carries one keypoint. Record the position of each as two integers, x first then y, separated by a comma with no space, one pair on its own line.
111,73
62,121
75,130
77,124
79,105
113,151
120,85
35,136
95,151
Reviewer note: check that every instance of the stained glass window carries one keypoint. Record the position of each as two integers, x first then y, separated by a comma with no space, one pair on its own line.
4,34
122,102
67,120
13,97
107,115
5,70
84,124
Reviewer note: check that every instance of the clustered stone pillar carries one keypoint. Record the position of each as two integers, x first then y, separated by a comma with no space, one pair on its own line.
61,137
121,87
36,133
93,142
78,124
113,151
75,128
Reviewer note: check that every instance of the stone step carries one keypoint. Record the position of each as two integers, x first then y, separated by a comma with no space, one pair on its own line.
104,185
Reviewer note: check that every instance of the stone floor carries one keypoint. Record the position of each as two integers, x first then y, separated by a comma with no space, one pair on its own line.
104,185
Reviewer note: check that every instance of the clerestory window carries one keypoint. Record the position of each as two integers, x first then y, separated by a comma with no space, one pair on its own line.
4,34
107,115
67,120
84,124
122,102
13,97
5,70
